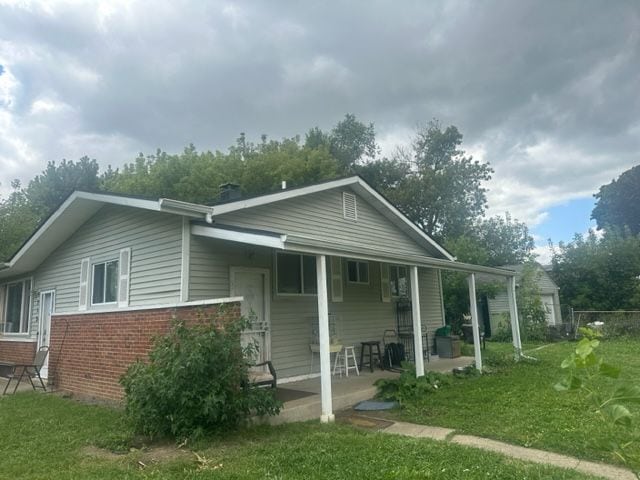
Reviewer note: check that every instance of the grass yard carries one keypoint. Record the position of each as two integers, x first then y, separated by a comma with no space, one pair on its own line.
48,437
520,406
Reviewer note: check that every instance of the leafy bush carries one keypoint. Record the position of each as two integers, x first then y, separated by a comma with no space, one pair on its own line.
408,388
196,381
585,371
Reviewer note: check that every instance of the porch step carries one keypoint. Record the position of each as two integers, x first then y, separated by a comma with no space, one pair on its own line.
310,408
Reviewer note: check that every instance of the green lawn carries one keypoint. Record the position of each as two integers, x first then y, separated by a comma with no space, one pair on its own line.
519,405
47,437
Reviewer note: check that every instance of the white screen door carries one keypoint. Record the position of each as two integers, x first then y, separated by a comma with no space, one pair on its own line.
253,285
46,309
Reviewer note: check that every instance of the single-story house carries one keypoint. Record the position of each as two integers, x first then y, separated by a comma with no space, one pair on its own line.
494,311
106,272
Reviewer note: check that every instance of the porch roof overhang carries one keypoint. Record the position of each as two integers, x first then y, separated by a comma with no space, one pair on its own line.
315,246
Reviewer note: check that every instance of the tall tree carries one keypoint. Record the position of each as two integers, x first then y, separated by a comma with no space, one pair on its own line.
599,272
17,221
618,203
195,176
443,191
47,190
506,240
350,142
494,241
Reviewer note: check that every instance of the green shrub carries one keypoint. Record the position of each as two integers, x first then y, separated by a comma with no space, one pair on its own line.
408,388
195,382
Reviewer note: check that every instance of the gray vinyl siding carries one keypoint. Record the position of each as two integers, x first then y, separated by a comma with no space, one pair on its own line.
361,316
545,283
210,261
319,216
499,311
430,302
155,240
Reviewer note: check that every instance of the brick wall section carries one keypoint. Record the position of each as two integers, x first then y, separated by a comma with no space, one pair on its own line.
89,353
17,352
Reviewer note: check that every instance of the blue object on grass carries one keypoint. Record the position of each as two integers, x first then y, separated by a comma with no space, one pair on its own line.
368,405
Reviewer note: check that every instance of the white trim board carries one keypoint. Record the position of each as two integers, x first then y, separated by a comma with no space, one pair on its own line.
20,339
197,303
185,259
241,237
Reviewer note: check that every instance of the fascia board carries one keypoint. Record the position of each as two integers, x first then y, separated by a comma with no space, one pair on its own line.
283,195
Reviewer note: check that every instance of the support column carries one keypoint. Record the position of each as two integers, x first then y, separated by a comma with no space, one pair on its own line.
417,322
473,304
513,313
323,333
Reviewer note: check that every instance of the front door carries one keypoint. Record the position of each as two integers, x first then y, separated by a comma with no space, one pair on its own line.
253,285
46,309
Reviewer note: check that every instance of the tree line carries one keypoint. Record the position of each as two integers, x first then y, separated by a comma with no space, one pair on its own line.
433,181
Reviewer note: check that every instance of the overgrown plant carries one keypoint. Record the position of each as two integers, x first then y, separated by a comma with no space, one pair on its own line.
407,388
196,381
585,370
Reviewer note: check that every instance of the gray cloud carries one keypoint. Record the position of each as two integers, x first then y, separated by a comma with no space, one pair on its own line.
545,91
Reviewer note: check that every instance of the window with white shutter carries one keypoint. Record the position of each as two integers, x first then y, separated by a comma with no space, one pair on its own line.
84,284
123,284
385,288
336,279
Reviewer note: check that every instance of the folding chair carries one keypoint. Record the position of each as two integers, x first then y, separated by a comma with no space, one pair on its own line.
30,371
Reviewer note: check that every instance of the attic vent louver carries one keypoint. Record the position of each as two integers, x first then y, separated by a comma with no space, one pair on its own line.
349,206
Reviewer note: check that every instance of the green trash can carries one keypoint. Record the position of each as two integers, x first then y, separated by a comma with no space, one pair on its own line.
448,347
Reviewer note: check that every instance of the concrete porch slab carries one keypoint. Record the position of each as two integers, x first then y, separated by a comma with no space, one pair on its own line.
348,391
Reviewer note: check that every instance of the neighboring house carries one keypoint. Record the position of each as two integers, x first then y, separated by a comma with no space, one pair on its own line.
497,308
105,272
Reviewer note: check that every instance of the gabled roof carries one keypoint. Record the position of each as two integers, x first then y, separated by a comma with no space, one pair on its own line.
73,212
360,186
80,206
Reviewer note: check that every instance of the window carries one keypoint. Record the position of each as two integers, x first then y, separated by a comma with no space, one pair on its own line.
16,314
105,283
296,274
399,281
357,272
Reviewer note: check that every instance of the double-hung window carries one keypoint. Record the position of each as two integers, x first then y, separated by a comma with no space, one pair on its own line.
296,274
104,284
358,272
17,307
399,281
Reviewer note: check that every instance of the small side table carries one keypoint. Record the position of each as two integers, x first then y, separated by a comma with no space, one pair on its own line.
315,348
371,353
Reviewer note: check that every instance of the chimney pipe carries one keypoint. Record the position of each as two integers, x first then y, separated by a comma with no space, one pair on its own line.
229,192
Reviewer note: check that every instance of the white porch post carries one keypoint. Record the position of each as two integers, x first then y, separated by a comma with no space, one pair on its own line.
417,323
474,320
323,333
513,313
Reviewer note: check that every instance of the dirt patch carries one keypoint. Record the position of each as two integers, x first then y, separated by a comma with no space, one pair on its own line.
362,421
103,453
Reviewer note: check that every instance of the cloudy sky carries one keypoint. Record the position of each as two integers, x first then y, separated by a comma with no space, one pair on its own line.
546,91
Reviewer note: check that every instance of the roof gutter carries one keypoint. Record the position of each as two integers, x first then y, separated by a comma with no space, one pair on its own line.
301,244
185,208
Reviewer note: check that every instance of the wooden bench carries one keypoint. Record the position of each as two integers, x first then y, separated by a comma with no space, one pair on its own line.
262,379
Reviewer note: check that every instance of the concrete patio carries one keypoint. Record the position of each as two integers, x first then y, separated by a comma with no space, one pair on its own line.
347,391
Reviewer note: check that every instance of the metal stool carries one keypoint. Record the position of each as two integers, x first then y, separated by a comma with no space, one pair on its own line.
342,361
369,345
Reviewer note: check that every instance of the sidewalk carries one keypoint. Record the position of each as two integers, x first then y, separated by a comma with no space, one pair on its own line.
521,453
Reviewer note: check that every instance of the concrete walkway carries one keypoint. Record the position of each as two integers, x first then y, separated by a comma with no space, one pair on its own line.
521,453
